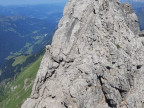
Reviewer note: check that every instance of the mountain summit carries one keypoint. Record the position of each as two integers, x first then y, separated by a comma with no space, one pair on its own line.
96,59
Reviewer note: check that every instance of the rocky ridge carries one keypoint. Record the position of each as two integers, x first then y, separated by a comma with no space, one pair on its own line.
95,60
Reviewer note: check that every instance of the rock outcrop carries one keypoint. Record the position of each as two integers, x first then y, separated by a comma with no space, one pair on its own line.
96,59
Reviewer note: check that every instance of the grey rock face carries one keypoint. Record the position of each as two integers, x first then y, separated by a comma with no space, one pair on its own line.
96,59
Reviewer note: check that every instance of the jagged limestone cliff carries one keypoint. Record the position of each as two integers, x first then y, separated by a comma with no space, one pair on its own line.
96,59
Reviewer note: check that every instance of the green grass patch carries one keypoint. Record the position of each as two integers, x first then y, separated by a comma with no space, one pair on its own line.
9,57
36,31
39,41
118,46
27,45
19,60
0,72
30,50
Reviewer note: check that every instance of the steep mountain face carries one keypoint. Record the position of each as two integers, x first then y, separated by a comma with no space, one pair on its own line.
95,60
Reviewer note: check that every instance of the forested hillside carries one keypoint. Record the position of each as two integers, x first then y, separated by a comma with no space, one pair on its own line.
20,76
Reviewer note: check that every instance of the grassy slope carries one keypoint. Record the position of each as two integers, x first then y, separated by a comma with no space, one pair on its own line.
19,60
20,88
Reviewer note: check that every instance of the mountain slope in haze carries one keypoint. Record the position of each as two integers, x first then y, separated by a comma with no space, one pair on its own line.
21,35
95,59
26,29
49,12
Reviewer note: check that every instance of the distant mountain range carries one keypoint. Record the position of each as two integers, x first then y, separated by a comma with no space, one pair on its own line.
49,12
26,29
21,35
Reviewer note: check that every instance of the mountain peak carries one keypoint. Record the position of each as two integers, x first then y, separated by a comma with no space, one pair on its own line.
95,60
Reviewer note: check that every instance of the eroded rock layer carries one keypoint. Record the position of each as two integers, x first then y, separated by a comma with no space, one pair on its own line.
96,59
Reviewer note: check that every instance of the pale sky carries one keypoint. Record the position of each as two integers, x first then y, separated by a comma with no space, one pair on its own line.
133,0
21,2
